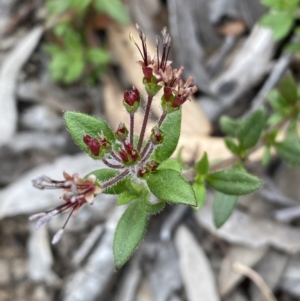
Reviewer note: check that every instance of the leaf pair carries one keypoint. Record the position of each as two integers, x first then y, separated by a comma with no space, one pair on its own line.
247,132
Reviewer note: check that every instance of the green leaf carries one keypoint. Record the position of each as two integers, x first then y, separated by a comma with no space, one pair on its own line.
126,197
129,232
288,89
280,4
171,131
274,119
79,124
223,207
105,174
202,166
251,129
170,164
281,23
155,208
233,182
97,56
266,156
292,47
113,8
289,150
231,145
229,126
168,185
200,193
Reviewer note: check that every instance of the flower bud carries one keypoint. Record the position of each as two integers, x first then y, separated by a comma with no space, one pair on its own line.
121,133
124,156
156,136
153,165
148,72
167,93
147,169
105,145
129,155
97,147
132,100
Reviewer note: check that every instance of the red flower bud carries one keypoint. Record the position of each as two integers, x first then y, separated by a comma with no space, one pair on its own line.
121,133
143,172
94,146
156,136
128,147
148,72
153,165
167,93
132,96
86,139
123,155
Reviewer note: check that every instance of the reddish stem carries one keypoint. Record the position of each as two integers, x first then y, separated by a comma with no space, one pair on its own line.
159,123
113,154
111,165
145,121
115,180
131,133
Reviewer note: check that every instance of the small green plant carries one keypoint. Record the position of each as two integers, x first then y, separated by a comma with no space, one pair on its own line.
72,58
281,18
141,172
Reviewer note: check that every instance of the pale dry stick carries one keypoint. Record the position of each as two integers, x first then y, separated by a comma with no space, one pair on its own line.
256,278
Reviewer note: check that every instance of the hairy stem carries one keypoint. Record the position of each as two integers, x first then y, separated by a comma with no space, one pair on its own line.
145,149
115,180
114,155
145,121
111,165
131,133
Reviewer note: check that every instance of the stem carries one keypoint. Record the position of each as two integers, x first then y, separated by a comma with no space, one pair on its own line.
145,121
148,154
161,119
113,154
111,165
159,123
115,180
131,133
256,278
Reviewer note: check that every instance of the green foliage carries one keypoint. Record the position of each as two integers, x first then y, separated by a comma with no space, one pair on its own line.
200,193
251,129
79,124
233,182
130,231
288,89
281,23
281,18
223,207
113,8
154,208
232,146
171,164
229,126
289,151
202,166
71,55
168,185
171,132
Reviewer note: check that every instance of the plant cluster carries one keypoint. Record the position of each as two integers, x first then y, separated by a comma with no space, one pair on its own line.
141,172
72,56
282,18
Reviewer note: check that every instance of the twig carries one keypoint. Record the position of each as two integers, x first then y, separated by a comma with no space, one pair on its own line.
256,278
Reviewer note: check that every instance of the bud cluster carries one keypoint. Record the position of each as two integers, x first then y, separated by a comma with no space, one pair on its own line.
97,146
